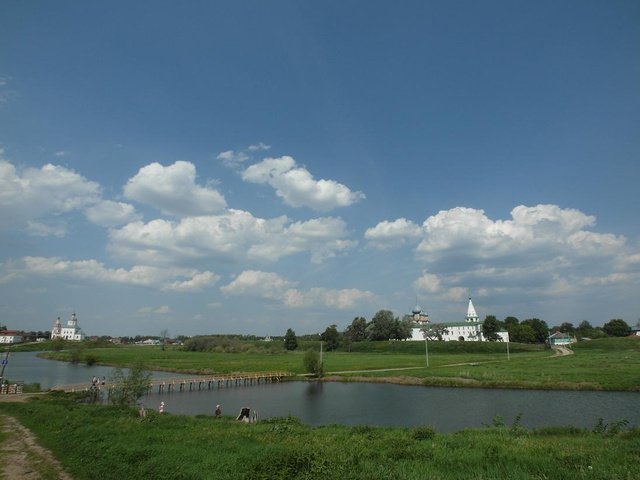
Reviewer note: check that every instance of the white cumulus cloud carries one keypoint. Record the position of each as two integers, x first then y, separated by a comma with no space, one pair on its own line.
542,250
297,187
272,286
108,213
388,234
235,235
173,190
542,230
256,283
339,299
50,229
427,282
197,282
142,275
34,193
231,158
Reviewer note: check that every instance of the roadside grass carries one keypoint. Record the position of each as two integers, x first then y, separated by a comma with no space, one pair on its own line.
110,443
604,364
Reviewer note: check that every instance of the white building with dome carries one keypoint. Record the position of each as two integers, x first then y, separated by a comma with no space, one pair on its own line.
470,330
71,332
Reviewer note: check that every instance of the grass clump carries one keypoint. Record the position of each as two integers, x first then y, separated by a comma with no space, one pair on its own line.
423,433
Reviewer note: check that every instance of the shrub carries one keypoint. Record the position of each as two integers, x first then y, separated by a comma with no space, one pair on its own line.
312,364
423,433
90,359
126,389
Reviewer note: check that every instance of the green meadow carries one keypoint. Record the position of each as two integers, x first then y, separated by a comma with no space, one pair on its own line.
604,364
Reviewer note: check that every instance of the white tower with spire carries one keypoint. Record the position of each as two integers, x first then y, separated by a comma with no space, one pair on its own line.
471,316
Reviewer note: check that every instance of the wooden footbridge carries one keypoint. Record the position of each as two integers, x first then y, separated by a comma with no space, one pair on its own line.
188,384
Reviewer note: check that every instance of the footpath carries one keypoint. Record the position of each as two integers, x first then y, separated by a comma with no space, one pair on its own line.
21,456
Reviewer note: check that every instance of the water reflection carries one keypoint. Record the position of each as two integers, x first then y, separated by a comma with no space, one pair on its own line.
314,388
320,403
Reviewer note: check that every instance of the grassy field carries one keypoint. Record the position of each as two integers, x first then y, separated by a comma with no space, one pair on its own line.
367,355
605,364
109,443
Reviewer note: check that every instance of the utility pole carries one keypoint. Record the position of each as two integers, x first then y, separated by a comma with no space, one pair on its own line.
426,350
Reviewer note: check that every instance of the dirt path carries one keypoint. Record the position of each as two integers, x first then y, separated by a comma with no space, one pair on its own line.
23,457
562,351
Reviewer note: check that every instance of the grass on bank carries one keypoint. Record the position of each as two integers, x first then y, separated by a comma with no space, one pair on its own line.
604,364
112,443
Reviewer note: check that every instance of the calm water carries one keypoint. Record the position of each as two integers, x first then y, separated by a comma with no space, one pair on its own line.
26,366
446,409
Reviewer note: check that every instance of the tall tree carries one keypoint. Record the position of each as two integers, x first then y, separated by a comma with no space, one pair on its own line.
522,333
539,327
616,328
509,323
331,337
382,325
357,331
490,328
584,329
402,328
290,340
567,327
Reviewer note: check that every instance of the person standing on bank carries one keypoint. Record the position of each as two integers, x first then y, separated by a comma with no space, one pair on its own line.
218,411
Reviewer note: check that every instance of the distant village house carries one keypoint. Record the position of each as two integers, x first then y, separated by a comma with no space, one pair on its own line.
10,336
560,338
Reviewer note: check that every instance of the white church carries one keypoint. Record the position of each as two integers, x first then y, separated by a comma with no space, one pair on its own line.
71,332
468,331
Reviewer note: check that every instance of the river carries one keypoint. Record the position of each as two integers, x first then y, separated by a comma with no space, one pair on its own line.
322,403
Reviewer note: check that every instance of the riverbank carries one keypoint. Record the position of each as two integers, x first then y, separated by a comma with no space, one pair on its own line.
111,443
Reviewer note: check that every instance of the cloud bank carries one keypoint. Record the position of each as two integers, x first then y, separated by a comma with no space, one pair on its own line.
234,236
175,279
542,250
272,286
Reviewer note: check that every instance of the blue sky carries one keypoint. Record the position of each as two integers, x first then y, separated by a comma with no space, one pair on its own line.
248,167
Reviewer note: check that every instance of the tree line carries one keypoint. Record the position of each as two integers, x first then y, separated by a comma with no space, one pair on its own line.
534,330
385,326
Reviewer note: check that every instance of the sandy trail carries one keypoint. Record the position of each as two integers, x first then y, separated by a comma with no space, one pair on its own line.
23,457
